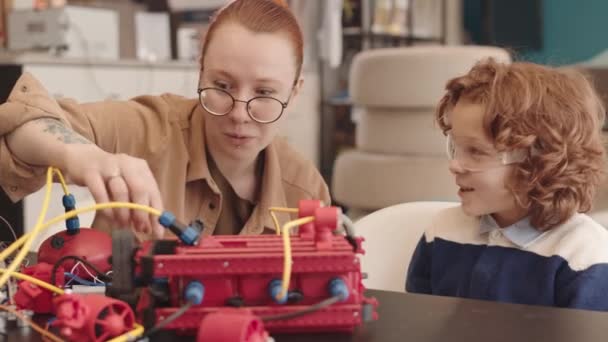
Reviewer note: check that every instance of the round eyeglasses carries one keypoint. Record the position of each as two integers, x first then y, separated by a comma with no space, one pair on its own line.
262,109
475,158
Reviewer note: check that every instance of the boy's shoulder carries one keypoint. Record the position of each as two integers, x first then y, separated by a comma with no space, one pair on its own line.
452,224
581,241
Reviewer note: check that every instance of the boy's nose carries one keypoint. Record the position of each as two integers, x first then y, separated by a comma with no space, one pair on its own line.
455,167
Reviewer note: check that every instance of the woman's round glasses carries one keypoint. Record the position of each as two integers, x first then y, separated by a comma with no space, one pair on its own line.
262,109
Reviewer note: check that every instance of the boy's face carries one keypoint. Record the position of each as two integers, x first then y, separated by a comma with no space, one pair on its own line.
482,190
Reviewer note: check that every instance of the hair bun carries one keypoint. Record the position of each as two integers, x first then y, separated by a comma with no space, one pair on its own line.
282,3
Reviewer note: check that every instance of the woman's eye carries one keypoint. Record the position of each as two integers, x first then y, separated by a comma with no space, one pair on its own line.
221,85
265,92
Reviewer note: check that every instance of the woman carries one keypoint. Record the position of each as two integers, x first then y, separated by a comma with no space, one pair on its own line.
216,158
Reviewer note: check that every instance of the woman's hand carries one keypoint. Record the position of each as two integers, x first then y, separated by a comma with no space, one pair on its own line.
116,178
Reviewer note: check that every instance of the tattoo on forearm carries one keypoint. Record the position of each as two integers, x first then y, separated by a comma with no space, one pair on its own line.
56,128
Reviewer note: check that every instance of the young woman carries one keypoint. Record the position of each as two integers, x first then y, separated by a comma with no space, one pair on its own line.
216,157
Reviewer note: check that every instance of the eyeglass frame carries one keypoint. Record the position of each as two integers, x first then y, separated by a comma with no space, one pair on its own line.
234,101
504,157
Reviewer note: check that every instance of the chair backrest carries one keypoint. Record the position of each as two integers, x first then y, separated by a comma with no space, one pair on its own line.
397,90
391,235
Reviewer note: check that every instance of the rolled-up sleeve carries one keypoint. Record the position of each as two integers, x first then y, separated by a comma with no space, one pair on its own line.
139,127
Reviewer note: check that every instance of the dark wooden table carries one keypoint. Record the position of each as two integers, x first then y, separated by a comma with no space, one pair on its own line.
420,318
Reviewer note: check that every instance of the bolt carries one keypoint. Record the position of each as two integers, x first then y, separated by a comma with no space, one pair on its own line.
160,265
355,314
226,264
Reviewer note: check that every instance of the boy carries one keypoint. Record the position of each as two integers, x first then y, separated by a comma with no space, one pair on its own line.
525,149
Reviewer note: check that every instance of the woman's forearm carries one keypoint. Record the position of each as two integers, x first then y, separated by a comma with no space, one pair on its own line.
43,142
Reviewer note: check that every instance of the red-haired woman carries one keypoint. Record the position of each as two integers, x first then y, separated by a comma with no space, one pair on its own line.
216,158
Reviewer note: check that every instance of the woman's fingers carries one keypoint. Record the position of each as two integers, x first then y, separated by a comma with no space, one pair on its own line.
119,192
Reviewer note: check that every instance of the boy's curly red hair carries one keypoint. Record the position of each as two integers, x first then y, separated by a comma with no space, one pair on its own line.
554,114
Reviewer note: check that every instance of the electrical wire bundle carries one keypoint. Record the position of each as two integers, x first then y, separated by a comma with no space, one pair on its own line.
100,278
27,239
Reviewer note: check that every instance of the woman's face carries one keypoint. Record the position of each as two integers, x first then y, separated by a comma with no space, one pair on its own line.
246,65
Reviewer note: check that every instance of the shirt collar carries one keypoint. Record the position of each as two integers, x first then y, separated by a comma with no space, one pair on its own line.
521,233
197,164
272,194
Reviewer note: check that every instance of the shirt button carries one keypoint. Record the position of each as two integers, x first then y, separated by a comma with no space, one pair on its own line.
14,188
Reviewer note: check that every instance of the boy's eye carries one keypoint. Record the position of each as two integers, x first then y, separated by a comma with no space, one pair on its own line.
476,152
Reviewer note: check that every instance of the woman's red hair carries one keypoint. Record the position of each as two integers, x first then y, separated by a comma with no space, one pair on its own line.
268,16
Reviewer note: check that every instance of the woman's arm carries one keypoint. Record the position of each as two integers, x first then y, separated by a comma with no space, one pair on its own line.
103,146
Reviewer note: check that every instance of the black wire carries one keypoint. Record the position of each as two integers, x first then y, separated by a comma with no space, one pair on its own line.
315,307
102,276
166,321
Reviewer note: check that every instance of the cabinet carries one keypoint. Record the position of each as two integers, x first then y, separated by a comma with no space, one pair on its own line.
424,22
95,81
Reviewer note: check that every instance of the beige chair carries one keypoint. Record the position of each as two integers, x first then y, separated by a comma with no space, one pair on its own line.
400,153
391,235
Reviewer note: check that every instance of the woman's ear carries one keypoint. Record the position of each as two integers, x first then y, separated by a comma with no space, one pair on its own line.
297,86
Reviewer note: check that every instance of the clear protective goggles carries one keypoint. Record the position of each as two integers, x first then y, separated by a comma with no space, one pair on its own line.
474,157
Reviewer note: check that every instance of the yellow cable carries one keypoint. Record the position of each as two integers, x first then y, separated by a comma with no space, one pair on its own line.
13,246
72,213
35,326
277,226
287,252
284,210
35,281
28,241
62,181
136,332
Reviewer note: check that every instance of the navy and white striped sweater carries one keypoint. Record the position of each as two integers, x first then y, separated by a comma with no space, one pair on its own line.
469,257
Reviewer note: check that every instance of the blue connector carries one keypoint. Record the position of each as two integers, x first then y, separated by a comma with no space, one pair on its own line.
72,224
337,288
274,289
194,292
187,234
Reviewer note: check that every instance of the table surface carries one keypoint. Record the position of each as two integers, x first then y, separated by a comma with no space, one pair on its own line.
423,318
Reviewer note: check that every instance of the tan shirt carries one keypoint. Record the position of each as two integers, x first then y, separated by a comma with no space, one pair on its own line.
167,131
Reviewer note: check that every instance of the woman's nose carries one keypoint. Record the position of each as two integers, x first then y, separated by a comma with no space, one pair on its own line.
239,112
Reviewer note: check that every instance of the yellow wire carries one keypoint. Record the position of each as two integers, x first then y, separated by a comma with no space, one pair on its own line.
287,252
62,181
277,226
35,281
28,241
72,213
35,326
136,332
284,210
12,247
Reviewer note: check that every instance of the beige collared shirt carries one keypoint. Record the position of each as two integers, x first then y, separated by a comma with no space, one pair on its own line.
167,131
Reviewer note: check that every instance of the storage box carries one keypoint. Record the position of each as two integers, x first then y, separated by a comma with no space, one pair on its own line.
73,31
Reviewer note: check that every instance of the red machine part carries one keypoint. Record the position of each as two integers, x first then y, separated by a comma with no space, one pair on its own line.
232,325
32,297
240,268
91,317
90,244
